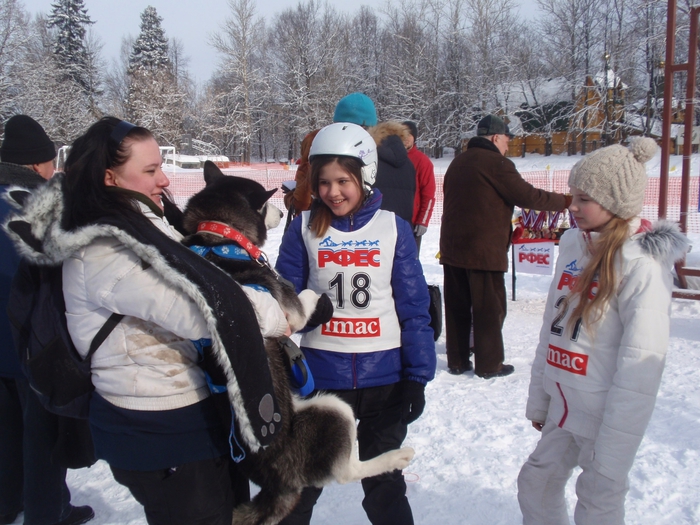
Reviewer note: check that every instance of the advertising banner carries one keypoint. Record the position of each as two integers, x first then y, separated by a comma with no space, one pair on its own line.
534,256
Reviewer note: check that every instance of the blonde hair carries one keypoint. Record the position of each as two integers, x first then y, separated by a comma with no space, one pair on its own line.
601,268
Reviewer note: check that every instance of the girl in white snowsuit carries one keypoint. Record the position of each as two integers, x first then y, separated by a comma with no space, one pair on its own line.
602,344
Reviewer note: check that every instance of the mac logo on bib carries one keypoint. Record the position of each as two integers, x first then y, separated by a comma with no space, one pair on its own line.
569,361
352,327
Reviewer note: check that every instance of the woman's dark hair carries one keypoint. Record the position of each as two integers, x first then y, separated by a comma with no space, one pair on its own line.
321,215
90,156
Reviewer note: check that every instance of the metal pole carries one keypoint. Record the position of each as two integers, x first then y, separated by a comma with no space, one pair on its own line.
512,249
668,103
689,116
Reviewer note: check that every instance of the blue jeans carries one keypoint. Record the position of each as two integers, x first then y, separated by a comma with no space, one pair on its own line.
32,479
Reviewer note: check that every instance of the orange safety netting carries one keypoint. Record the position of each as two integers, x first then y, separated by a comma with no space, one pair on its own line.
184,184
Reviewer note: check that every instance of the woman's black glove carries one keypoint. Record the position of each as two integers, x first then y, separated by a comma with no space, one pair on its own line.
413,401
323,312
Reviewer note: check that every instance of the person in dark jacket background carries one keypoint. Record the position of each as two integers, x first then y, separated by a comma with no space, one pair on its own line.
31,480
365,259
396,176
481,189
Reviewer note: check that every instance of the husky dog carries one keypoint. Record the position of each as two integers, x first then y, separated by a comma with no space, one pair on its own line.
316,444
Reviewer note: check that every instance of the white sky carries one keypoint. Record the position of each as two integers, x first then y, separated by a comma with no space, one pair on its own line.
190,22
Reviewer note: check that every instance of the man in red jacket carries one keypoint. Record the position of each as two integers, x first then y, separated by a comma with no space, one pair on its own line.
425,184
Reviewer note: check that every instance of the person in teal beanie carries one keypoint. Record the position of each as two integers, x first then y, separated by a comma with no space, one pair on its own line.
396,176
357,108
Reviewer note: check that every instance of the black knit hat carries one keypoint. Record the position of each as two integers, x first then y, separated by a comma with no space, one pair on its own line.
26,142
412,128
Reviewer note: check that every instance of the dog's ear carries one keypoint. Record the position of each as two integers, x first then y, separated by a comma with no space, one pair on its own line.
211,172
269,194
257,199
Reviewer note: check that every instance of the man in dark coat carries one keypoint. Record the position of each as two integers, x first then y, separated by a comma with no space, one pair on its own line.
30,478
481,189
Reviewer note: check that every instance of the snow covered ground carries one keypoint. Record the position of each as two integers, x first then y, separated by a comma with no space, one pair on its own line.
473,437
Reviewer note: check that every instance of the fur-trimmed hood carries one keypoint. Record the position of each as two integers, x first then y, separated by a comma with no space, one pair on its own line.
36,229
664,242
236,340
385,129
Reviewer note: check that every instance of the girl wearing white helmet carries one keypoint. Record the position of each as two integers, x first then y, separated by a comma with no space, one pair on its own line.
377,352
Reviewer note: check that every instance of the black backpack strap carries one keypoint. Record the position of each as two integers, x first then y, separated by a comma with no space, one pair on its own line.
103,332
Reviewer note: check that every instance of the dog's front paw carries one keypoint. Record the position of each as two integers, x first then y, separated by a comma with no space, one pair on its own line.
322,313
402,457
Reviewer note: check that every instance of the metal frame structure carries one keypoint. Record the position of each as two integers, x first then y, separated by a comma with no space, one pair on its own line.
690,67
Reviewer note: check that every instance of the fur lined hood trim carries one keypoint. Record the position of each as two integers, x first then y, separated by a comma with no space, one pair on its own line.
384,129
665,242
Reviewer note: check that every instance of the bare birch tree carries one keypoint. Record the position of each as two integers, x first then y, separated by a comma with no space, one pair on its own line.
14,27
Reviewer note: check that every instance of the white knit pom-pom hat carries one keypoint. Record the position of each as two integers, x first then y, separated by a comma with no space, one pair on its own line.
615,176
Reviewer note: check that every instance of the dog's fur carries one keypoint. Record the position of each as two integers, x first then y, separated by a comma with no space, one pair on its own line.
316,444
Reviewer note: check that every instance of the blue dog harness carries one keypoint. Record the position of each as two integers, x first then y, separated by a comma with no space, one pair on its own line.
229,251
302,379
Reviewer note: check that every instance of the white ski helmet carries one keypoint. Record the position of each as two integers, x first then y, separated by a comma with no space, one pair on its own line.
348,140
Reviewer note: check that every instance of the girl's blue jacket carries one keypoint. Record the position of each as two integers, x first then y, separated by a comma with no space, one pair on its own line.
415,359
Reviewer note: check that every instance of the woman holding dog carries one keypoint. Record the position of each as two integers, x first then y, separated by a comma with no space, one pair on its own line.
152,416
377,352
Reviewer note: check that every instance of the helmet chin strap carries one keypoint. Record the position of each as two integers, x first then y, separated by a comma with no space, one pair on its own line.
368,193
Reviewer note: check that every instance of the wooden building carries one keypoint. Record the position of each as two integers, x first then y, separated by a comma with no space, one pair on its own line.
554,117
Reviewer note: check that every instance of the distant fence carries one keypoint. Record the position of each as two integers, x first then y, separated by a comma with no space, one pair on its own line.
184,184
557,180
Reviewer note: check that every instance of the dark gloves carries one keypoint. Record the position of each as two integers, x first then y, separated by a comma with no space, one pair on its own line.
568,198
323,312
413,401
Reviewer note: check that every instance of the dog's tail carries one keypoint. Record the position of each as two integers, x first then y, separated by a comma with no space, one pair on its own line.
266,508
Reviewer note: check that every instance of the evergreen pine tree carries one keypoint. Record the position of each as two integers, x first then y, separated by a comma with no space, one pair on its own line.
70,19
150,51
154,100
